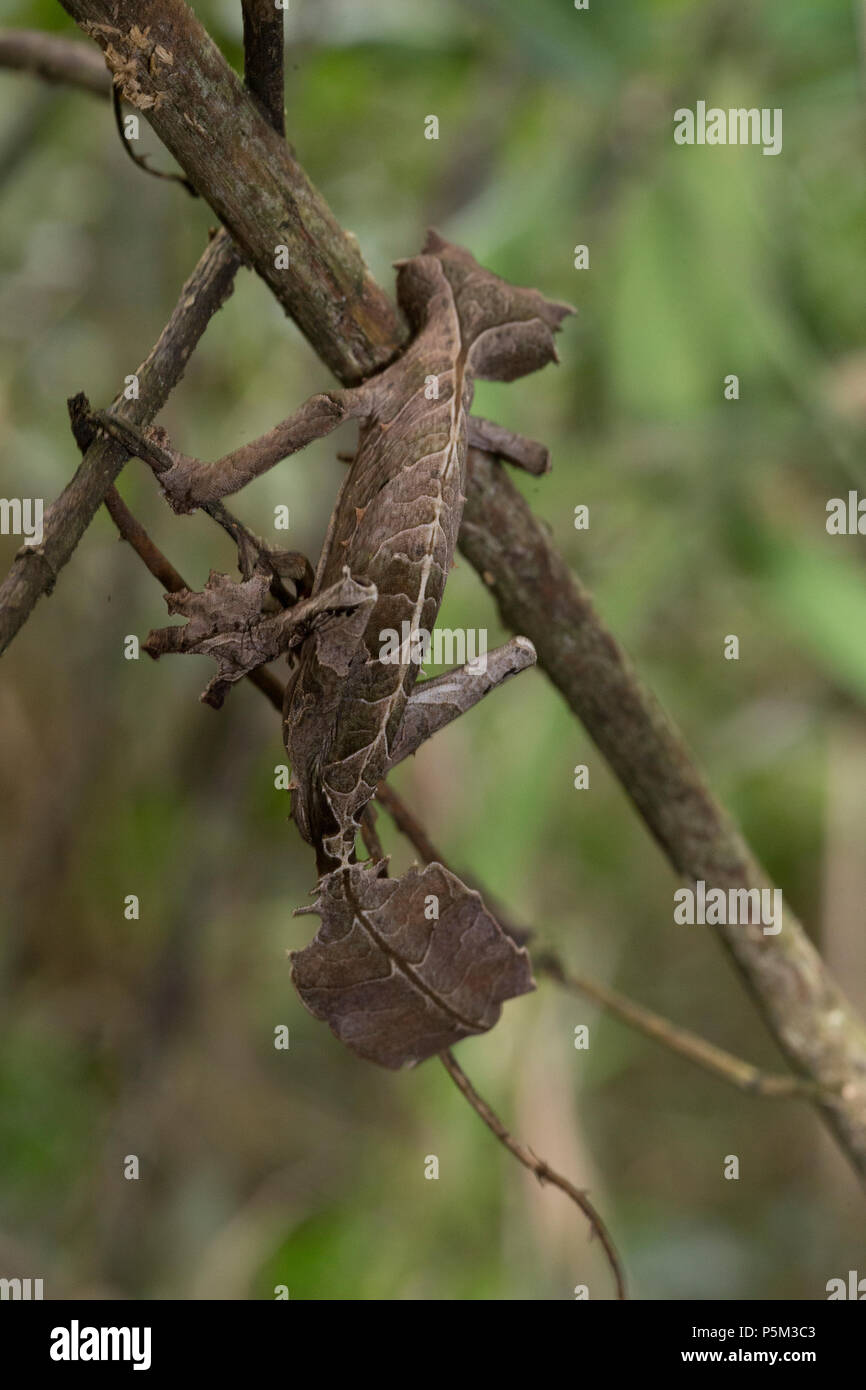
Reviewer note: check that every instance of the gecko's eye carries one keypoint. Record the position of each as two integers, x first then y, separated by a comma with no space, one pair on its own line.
419,280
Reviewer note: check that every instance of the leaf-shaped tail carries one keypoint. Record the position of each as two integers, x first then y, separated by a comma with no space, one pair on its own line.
402,969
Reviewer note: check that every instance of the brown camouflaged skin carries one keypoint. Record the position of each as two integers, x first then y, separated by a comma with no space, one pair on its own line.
395,526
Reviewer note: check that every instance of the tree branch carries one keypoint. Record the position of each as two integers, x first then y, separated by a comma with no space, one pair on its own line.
199,109
54,59
680,1040
536,593
407,822
35,568
132,531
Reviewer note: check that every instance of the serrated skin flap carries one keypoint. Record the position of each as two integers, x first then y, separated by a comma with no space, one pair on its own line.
397,983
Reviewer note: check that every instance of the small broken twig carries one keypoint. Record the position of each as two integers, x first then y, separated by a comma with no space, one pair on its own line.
140,160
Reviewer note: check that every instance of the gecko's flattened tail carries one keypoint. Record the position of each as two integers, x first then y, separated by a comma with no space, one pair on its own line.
402,969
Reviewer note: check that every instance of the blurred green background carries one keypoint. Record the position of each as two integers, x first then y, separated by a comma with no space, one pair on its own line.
155,1037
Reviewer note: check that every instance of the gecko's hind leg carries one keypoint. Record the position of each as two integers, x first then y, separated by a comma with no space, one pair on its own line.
434,703
189,482
524,453
235,624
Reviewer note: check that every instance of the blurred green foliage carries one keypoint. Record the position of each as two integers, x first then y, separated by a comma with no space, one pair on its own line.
155,1037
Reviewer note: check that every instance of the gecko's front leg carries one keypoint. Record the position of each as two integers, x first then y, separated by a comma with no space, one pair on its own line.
190,483
436,702
516,449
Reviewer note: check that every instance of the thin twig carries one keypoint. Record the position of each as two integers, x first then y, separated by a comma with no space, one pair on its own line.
407,822
132,531
542,1170
141,160
680,1040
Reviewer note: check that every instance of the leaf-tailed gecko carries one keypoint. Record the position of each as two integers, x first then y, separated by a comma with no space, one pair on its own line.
400,968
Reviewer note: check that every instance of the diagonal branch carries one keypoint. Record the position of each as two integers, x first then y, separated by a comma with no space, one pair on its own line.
167,66
35,568
683,1041
132,531
538,595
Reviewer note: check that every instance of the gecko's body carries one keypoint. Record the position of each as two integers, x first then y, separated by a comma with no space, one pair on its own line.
395,526
400,968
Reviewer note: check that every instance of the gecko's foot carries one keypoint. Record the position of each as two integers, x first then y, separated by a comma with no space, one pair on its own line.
185,483
180,477
516,449
239,624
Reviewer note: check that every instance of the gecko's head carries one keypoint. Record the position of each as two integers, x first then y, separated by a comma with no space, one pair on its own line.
507,329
